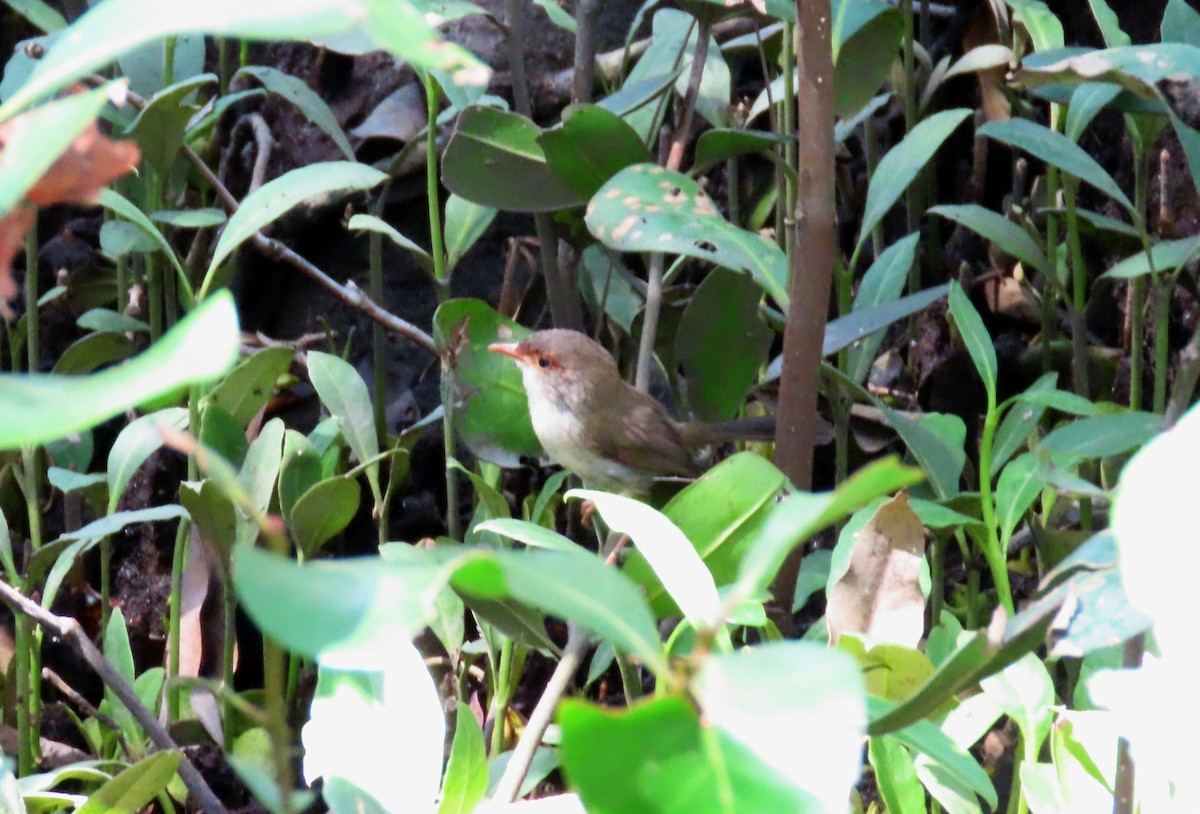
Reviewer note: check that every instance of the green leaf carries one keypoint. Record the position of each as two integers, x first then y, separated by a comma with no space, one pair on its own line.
1018,487
371,223
721,344
1044,28
717,146
900,165
258,475
720,514
305,99
31,149
977,339
299,470
896,777
998,230
201,218
506,144
135,787
925,737
491,412
800,515
1110,26
1101,436
882,284
667,762
645,208
1060,400
1019,422
223,435
466,768
677,564
1055,148
528,533
113,200
1025,692
250,385
274,198
344,394
146,65
572,585
401,698
104,33
590,146
120,657
762,696
322,512
39,14
1165,256
343,613
212,514
159,127
93,351
1180,23
861,323
465,224
866,36
101,319
138,441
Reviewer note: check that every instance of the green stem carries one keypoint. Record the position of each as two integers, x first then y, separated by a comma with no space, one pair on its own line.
630,680
175,615
26,757
168,62
1079,292
500,695
378,335
1163,284
1050,290
997,558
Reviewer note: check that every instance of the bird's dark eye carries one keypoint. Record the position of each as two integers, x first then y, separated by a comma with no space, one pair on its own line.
543,361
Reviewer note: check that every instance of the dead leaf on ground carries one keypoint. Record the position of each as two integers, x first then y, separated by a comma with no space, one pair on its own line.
880,595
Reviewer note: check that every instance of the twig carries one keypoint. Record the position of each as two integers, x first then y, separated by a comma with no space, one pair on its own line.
586,13
543,713
349,293
564,308
69,630
79,702
263,142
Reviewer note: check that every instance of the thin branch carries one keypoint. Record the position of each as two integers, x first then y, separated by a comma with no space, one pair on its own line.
349,293
69,630
543,713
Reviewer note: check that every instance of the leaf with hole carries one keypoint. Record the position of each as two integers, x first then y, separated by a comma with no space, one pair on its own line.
646,208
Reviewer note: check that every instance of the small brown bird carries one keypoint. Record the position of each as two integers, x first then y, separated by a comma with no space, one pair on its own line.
590,420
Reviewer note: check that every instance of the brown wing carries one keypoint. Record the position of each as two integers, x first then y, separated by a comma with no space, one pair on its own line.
646,440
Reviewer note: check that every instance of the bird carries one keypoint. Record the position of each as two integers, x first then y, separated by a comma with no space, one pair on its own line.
615,437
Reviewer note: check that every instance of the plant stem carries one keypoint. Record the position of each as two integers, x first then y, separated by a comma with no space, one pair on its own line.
1079,292
378,337
501,693
997,558
543,713
812,274
1050,290
1163,285
179,559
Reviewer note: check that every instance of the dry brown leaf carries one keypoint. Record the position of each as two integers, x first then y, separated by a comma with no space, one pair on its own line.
880,595
92,162
982,29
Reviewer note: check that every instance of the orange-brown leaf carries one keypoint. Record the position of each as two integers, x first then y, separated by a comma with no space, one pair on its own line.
92,162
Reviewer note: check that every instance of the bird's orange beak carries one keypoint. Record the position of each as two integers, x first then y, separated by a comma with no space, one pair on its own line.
508,349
